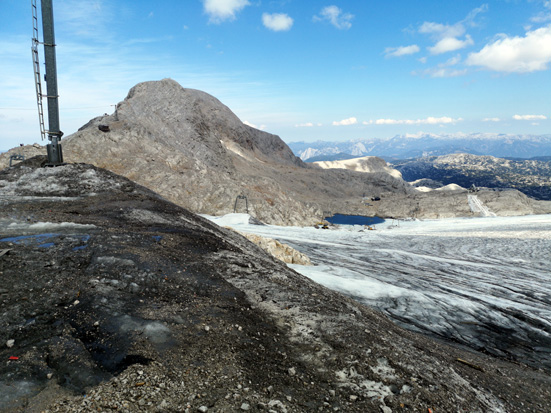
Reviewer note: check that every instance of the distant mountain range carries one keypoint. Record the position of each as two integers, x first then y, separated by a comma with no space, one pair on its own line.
422,145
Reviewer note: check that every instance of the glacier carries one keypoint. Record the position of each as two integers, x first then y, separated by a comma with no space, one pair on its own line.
482,283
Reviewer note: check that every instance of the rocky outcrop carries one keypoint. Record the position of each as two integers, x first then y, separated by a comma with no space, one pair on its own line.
276,249
193,150
20,153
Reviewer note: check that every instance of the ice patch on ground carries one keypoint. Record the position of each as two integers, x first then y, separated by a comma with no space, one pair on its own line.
371,389
12,391
477,206
154,331
56,183
384,370
115,261
147,217
233,219
350,282
9,227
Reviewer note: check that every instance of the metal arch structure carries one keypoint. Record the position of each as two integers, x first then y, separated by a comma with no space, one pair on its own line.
16,157
55,155
241,197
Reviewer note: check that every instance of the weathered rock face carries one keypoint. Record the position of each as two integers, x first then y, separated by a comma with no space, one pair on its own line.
190,148
276,249
193,150
115,300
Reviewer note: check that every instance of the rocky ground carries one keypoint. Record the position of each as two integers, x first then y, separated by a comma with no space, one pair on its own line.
114,299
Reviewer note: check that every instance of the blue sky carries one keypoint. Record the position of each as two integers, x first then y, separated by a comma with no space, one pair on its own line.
305,70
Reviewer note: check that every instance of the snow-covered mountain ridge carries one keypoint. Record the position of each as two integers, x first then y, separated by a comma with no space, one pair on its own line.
414,146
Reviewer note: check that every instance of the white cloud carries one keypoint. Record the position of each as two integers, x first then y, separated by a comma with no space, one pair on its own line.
220,10
305,125
445,69
491,120
448,36
445,72
277,21
346,122
336,17
450,44
473,13
516,54
442,30
543,16
88,18
401,51
452,30
252,125
452,61
427,121
529,117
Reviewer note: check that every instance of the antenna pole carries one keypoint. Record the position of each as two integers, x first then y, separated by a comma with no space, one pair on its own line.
55,156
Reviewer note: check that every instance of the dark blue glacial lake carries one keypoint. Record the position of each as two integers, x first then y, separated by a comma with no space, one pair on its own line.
341,219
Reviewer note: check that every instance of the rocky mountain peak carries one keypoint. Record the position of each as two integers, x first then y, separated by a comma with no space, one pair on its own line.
178,115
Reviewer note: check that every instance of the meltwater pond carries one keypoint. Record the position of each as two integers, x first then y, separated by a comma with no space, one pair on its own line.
340,219
480,282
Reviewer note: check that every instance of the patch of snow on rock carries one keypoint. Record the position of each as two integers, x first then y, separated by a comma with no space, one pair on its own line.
452,187
368,164
423,189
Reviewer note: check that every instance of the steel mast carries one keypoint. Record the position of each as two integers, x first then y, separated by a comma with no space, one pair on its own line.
55,155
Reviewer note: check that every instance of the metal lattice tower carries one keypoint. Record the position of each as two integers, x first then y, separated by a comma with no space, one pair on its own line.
242,198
